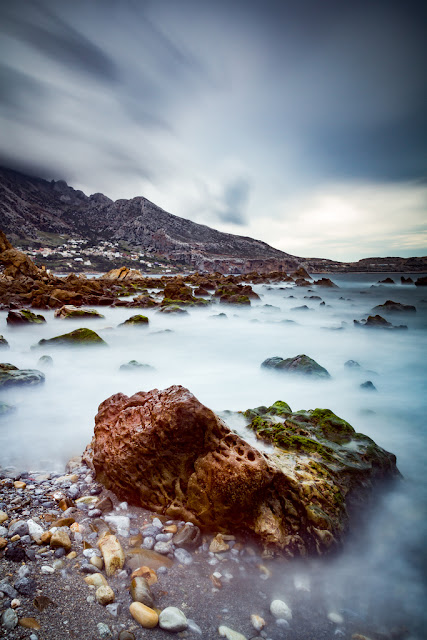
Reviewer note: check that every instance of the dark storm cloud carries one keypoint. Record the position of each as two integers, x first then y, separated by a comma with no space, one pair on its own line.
37,25
234,202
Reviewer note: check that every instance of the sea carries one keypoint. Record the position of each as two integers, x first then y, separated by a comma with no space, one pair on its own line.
379,576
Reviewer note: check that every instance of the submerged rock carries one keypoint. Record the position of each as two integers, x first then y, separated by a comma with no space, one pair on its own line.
167,452
84,337
377,321
135,321
134,365
393,307
24,316
298,364
12,376
4,343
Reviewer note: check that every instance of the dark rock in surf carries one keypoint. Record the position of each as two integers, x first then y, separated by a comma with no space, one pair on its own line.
394,307
79,337
11,376
24,316
298,364
368,386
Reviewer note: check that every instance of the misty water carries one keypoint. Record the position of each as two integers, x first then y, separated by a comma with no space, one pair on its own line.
379,576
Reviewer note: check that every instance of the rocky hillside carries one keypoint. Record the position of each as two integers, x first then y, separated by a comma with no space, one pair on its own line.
32,209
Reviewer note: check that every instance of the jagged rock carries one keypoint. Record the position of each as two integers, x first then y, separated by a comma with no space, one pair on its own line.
167,452
135,321
24,316
70,311
299,364
377,322
393,307
301,273
4,343
325,282
368,386
144,301
174,308
404,280
12,376
123,273
386,281
84,337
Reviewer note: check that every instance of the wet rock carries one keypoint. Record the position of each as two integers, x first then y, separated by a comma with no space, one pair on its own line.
104,595
46,361
134,365
79,337
3,516
112,553
147,573
7,588
9,619
325,282
163,547
218,544
3,343
352,364
12,376
29,623
230,634
386,281
140,591
279,609
257,622
135,321
299,364
96,580
145,616
182,556
126,635
394,307
373,321
294,498
104,630
15,553
421,282
368,386
72,312
19,528
173,619
24,316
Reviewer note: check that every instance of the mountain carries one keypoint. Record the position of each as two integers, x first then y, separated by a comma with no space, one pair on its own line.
33,209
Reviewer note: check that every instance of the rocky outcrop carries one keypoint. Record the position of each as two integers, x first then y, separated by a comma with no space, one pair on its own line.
135,321
394,307
79,337
24,316
12,376
377,322
166,451
299,364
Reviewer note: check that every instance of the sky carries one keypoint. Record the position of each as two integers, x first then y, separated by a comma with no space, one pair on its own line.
302,123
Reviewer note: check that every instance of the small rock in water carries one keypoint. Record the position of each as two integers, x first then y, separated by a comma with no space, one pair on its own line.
280,609
146,617
335,617
230,634
172,619
368,386
140,591
163,547
183,556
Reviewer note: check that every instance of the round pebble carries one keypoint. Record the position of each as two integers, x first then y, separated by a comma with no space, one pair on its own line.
173,619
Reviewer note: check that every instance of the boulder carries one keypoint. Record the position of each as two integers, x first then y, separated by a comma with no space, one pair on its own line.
4,343
404,280
12,376
421,282
394,307
24,316
298,364
78,337
375,322
325,282
135,321
301,273
70,311
167,452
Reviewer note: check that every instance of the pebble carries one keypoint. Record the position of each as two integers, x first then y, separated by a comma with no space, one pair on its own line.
173,619
257,622
148,542
140,591
15,603
19,528
230,634
218,544
163,547
146,617
96,580
164,537
112,552
126,635
97,562
150,531
157,523
104,630
60,539
104,595
26,586
183,556
29,623
113,609
46,570
335,617
7,588
3,516
120,523
9,619
280,609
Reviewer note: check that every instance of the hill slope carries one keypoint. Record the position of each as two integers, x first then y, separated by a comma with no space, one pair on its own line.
32,208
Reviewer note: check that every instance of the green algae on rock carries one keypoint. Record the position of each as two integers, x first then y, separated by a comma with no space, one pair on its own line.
12,376
298,364
135,321
165,451
78,337
24,316
69,311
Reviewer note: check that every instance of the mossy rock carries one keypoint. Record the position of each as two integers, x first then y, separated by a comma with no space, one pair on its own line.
299,364
173,308
78,337
135,321
46,361
4,343
71,312
333,427
24,316
11,376
193,302
242,300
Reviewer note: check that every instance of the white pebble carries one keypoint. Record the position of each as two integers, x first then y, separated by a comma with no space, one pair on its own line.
230,634
335,617
46,569
280,609
157,523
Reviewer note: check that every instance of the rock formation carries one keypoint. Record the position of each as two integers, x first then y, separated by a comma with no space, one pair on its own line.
166,451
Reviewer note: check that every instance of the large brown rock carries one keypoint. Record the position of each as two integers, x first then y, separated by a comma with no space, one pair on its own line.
166,451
